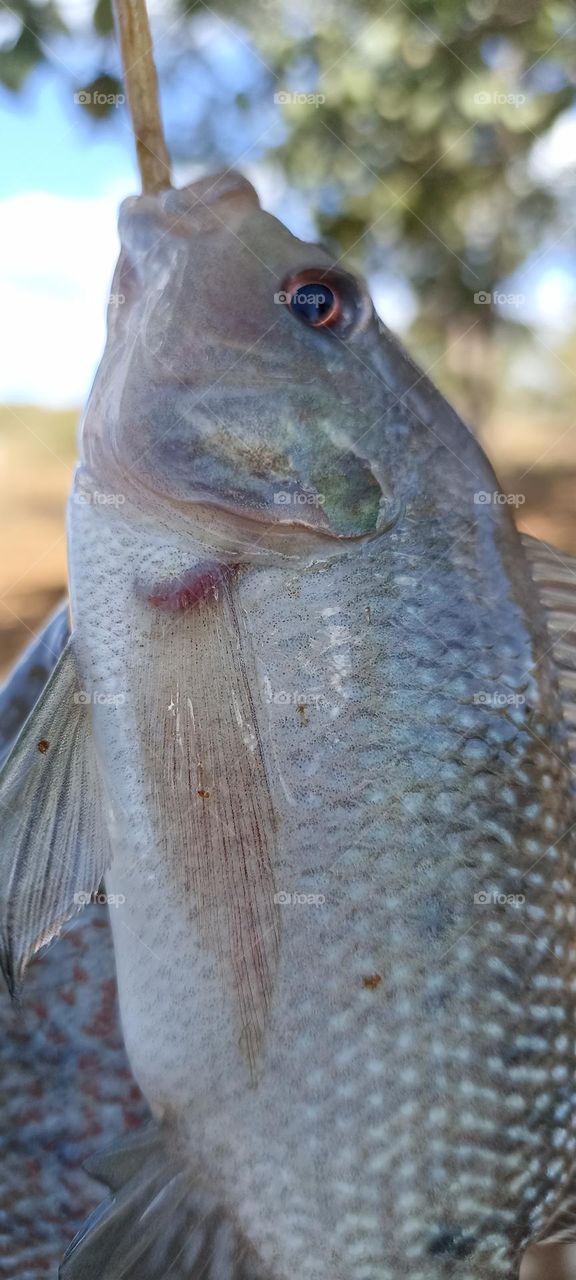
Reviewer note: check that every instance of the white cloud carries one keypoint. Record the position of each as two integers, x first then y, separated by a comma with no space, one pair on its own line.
553,154
56,261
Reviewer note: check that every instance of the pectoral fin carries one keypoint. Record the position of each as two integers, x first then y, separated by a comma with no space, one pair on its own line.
211,803
53,839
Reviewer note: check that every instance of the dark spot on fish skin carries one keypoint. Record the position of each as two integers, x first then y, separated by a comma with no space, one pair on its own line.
302,712
43,746
204,795
452,1243
372,981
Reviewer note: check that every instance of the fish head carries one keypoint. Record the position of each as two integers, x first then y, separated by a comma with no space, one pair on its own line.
247,373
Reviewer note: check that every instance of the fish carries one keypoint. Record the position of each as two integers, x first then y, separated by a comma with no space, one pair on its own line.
315,726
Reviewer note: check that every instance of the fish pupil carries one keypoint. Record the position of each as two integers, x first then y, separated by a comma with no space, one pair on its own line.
313,302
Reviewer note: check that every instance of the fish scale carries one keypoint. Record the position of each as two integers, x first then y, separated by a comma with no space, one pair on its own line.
427,1050
499,1007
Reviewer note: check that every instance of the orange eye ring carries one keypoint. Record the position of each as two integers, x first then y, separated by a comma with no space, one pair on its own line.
305,302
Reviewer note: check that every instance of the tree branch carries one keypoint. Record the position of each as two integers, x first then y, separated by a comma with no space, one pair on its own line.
141,84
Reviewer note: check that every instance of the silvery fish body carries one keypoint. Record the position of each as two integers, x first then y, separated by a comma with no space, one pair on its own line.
330,779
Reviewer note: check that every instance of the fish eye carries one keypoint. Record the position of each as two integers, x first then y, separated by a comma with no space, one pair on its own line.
322,298
314,302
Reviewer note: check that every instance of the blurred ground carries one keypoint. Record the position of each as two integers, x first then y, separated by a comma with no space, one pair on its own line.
37,449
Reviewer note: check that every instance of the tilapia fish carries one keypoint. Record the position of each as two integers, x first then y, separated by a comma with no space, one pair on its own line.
315,726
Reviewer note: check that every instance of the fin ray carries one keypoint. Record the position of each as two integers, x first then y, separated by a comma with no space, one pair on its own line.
200,752
54,846
157,1223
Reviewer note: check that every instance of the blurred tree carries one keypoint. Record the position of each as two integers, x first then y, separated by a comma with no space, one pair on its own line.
409,131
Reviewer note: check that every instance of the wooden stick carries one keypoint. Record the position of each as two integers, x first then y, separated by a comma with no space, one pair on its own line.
141,84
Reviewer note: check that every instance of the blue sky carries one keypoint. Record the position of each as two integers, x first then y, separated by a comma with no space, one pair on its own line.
61,179
50,144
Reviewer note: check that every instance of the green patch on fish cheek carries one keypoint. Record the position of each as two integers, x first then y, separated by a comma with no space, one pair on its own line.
344,483
351,503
